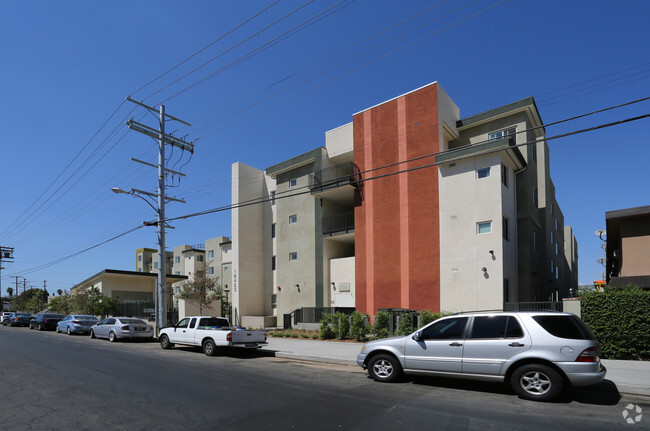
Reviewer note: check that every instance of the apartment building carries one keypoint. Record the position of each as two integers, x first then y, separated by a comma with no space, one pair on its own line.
407,206
628,247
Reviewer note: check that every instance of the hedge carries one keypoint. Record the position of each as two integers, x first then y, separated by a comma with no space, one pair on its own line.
620,319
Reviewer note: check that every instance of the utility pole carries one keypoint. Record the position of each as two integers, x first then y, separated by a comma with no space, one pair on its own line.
162,199
6,254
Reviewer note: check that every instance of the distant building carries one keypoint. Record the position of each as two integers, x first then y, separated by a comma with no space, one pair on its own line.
628,247
408,206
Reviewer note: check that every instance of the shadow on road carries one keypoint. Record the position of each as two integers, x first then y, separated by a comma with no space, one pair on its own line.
604,393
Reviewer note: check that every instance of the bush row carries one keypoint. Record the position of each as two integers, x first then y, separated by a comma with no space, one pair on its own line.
358,326
620,319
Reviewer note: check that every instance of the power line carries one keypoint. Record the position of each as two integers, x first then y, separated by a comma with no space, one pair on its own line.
205,47
353,70
252,53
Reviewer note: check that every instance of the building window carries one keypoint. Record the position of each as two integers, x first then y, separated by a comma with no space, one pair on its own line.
551,207
139,269
273,263
484,227
274,301
177,273
210,254
534,149
483,172
506,290
273,230
155,265
273,198
552,266
556,224
504,174
225,269
293,219
534,195
552,237
505,228
557,249
293,255
139,258
557,273
534,241
178,259
293,182
511,131
211,270
199,258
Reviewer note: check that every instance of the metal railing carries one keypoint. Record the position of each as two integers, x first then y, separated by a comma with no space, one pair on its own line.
335,176
315,314
337,223
533,306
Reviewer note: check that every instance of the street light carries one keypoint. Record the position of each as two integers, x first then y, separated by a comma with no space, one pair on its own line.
159,297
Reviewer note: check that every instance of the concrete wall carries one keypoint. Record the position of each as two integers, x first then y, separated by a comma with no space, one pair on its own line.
249,290
185,308
466,200
342,282
339,141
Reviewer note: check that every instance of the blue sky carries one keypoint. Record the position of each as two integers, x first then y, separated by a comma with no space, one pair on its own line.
68,65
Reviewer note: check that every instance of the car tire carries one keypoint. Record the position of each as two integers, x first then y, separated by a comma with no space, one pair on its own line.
384,368
40,327
536,382
68,331
209,347
165,343
92,334
112,337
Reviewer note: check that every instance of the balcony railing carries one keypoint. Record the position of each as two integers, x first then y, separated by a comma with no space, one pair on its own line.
335,176
338,223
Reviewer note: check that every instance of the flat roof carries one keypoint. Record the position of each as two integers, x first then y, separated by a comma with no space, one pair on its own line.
628,212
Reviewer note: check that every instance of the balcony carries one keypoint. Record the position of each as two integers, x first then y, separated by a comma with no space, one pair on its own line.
336,224
344,174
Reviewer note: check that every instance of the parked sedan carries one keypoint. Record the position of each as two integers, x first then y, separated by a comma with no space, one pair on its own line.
45,321
76,324
5,317
20,319
115,328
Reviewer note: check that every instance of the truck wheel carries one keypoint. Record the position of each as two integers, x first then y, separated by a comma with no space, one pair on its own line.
164,342
384,368
209,348
536,382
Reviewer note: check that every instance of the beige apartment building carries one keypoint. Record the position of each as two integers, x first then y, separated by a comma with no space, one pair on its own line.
408,206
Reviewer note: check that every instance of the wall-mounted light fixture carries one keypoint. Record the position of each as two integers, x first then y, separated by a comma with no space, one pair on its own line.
492,253
484,269
298,287
333,286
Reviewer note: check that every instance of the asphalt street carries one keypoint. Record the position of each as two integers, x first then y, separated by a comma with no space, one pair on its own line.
54,381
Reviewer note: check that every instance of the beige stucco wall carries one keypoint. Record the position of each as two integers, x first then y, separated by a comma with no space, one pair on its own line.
185,308
342,271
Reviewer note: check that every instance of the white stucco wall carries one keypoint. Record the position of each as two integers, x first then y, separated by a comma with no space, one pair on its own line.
342,274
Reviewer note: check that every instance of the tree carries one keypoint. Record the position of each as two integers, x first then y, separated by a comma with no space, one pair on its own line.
10,291
32,300
92,301
202,291
59,291
61,304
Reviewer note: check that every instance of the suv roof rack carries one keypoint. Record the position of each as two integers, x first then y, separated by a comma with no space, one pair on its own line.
505,311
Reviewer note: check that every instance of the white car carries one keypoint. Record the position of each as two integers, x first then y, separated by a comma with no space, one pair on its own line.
117,328
5,316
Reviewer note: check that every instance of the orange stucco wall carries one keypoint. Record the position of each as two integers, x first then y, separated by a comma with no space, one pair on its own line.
396,224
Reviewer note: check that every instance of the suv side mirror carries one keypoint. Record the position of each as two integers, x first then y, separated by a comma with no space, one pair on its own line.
417,336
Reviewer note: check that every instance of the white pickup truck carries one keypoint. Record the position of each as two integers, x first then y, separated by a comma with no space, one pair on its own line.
210,333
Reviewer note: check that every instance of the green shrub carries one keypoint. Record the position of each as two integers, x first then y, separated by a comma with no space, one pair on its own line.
405,325
315,336
326,331
620,319
428,316
380,327
304,335
360,328
294,335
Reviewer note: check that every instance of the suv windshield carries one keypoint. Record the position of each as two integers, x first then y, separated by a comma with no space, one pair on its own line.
565,327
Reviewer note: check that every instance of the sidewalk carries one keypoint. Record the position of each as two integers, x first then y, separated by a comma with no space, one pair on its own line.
630,377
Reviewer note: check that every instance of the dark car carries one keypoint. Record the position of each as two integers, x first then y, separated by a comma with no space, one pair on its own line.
20,319
45,321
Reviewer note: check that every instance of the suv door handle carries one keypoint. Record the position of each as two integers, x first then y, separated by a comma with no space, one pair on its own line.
516,344
455,344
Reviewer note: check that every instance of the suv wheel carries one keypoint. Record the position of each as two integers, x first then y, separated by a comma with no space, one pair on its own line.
384,368
536,382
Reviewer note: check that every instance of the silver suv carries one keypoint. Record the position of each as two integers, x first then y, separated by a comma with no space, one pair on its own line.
537,353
